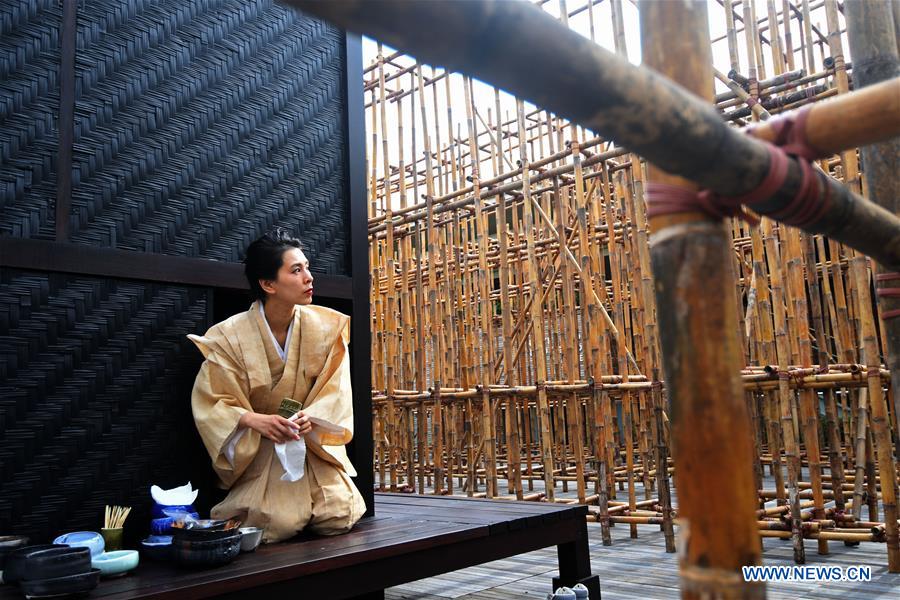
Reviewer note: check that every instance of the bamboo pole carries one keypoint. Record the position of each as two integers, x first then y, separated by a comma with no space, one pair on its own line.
689,252
872,39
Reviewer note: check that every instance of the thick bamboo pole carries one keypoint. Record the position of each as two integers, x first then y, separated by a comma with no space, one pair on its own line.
689,252
875,42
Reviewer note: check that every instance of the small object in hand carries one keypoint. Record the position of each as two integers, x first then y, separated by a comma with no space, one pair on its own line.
289,407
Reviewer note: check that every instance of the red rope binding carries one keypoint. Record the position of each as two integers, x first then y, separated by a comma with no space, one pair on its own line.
888,293
804,207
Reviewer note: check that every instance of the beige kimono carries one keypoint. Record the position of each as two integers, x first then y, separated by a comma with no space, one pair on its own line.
244,372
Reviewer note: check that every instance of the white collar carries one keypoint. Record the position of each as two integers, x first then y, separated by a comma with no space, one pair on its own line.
282,352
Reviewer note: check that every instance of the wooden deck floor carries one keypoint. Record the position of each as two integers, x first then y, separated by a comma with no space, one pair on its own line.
641,568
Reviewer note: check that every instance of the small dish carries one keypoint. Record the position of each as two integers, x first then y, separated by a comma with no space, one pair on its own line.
250,538
159,539
118,562
86,539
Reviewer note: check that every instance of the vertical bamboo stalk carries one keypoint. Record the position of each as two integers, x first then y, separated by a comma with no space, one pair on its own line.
390,296
689,252
880,429
785,401
874,45
435,329
848,159
537,321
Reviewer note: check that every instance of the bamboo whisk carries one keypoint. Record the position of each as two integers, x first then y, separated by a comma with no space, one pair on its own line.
115,516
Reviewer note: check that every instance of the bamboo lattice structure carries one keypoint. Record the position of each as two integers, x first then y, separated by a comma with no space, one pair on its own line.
516,318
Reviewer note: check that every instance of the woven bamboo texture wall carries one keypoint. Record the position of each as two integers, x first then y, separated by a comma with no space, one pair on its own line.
198,125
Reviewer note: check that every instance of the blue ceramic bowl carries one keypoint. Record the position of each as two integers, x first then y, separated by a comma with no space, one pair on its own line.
83,539
114,563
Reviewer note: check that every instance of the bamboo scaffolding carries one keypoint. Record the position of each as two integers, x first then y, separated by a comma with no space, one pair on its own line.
517,332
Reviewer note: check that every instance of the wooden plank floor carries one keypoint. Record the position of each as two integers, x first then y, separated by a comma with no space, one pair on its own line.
410,537
640,568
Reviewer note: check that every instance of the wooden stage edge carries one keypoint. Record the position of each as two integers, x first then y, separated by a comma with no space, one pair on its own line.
409,538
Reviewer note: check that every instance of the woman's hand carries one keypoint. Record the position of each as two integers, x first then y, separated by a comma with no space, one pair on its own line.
303,422
275,427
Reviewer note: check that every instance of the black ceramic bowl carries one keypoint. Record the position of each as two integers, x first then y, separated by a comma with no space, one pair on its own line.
156,550
212,553
9,544
15,561
56,562
70,584
204,530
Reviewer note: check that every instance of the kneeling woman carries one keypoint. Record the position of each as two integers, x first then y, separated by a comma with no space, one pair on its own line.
282,347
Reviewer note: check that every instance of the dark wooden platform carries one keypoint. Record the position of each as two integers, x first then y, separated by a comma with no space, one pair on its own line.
411,537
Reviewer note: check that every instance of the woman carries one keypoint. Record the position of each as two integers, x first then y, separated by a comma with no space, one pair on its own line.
282,347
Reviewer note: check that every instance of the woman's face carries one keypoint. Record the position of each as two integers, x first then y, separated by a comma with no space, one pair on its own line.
294,284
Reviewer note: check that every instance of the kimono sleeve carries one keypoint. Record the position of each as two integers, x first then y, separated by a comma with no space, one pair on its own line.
218,400
331,399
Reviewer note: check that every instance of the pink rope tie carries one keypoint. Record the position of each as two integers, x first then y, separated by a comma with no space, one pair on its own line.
888,293
804,208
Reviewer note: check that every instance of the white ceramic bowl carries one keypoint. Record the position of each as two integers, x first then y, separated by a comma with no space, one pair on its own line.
250,538
115,563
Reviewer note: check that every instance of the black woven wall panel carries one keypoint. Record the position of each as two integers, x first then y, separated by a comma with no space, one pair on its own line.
29,104
198,126
94,397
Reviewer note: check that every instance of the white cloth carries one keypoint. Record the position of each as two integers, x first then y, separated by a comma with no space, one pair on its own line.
287,340
292,455
233,442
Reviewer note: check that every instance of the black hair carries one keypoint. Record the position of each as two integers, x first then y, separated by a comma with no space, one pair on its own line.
264,258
